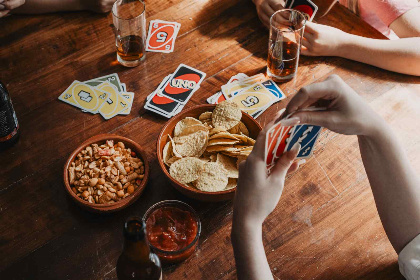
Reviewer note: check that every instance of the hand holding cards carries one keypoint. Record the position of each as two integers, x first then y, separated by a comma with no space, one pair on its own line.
281,138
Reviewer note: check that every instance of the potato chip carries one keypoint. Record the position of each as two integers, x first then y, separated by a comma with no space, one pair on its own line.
239,128
245,139
205,116
229,164
232,183
182,124
192,145
226,114
193,128
216,130
186,170
222,141
212,178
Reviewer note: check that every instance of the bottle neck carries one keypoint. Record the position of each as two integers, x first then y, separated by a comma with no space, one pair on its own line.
138,251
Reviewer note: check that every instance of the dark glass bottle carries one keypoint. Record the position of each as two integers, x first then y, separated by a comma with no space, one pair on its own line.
136,260
9,127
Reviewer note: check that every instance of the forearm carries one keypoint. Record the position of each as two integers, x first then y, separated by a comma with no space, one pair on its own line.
48,6
395,185
402,56
250,258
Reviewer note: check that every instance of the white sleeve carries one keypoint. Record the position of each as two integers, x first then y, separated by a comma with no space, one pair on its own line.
409,260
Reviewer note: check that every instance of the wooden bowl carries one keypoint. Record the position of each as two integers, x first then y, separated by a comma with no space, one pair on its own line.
107,208
252,125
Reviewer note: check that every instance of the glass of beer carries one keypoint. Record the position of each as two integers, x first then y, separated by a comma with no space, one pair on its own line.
286,31
129,17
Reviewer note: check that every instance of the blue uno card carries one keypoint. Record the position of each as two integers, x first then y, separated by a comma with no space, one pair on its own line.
274,89
306,135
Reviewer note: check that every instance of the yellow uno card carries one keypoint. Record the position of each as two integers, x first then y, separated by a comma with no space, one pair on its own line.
130,97
114,104
231,89
84,97
254,98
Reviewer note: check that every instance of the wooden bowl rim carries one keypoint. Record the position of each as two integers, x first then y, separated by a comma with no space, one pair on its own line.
163,165
123,202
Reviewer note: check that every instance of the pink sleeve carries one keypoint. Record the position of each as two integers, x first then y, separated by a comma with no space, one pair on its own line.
388,10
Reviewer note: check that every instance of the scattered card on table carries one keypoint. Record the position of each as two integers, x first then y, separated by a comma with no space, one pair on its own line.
112,78
183,83
161,36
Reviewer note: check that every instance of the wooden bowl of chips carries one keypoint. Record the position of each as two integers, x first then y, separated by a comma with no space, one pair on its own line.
137,185
223,146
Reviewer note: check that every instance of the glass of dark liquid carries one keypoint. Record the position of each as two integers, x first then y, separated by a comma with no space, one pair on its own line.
286,30
129,17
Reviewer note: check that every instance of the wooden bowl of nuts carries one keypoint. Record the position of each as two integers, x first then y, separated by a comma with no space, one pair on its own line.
106,173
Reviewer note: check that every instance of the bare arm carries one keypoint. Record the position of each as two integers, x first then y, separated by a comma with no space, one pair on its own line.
395,185
402,55
51,6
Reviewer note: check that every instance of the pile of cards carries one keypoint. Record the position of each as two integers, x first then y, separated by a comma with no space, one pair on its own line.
307,7
252,94
104,95
161,36
174,91
280,139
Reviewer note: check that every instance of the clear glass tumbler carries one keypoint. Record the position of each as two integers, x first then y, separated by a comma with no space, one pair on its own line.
286,31
129,17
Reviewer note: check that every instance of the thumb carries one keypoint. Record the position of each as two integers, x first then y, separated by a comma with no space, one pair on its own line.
279,171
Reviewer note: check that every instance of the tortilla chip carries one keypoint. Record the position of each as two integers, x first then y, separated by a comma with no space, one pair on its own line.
191,145
224,134
205,116
226,114
193,128
232,183
245,139
186,170
182,124
229,164
222,141
239,128
216,130
212,178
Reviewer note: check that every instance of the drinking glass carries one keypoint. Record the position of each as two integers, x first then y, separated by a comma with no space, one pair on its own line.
286,30
129,17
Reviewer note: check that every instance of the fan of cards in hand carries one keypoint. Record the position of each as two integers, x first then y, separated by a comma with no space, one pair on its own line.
104,95
280,139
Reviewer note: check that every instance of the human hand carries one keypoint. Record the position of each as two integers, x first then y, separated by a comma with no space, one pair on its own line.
7,5
266,8
346,112
98,6
322,40
257,193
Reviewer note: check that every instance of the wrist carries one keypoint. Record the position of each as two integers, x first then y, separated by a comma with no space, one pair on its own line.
377,130
344,44
244,227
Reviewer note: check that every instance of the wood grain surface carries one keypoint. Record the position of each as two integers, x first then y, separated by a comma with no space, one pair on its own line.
326,225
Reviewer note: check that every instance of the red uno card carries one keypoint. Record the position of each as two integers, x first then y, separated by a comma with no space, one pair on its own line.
183,83
276,141
162,35
307,7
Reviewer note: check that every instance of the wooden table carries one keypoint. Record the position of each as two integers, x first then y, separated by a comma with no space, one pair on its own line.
326,225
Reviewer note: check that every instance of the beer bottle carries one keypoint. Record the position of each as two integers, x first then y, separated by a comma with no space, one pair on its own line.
136,260
9,127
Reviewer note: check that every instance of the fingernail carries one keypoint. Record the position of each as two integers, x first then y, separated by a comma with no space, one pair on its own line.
295,148
290,122
302,161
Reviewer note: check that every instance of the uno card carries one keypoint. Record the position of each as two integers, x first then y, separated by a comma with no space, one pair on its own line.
218,97
130,98
160,86
231,89
84,97
277,138
307,7
161,36
254,99
112,78
274,89
306,135
162,104
115,103
183,83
